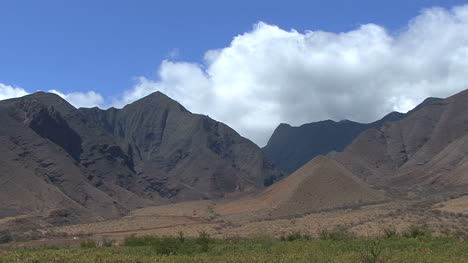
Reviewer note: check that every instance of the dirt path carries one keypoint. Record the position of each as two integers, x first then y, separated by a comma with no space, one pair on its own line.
145,229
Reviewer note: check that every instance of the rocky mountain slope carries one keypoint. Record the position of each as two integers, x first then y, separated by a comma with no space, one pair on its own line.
54,161
64,165
428,147
320,184
291,147
84,165
204,154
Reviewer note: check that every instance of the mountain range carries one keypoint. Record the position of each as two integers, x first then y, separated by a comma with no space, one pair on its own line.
289,147
64,165
427,147
78,165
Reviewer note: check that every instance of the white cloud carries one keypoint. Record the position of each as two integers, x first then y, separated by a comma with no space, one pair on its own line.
270,75
186,82
77,99
81,99
8,92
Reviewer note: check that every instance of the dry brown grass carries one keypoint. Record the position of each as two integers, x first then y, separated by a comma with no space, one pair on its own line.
364,221
457,205
169,220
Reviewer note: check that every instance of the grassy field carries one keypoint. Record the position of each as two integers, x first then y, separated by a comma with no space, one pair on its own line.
417,247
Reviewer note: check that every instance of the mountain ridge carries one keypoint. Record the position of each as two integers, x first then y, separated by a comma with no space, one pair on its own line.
59,153
290,147
423,148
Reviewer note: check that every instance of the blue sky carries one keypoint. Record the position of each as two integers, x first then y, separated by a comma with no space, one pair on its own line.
122,50
102,45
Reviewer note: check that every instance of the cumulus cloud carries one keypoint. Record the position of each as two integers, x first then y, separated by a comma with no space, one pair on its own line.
8,92
77,99
185,82
270,75
81,99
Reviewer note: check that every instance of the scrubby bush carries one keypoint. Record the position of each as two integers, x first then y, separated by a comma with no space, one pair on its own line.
162,245
389,231
5,237
295,236
88,244
415,231
181,237
168,246
134,241
172,245
204,241
336,234
106,243
262,238
371,253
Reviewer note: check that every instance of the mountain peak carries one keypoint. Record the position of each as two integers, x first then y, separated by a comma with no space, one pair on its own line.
156,99
40,99
157,96
427,101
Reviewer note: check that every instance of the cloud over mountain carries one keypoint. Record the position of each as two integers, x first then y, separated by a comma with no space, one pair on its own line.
82,99
270,75
77,99
7,92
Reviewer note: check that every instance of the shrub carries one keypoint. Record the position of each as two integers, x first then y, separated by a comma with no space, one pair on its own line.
204,241
167,246
389,232
372,253
414,231
264,239
336,234
106,242
5,237
294,236
88,244
458,235
134,241
181,237
171,245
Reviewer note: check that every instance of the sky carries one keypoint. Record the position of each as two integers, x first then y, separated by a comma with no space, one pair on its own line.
249,64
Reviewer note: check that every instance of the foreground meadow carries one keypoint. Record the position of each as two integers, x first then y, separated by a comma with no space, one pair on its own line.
414,247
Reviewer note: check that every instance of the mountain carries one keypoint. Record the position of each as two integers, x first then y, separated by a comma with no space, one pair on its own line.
430,146
320,184
205,155
291,147
54,161
67,165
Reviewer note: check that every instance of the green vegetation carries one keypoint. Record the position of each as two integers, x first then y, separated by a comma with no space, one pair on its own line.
415,231
5,237
331,246
336,234
172,245
88,244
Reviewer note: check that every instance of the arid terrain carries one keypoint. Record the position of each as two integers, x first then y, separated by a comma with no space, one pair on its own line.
404,172
220,219
441,211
